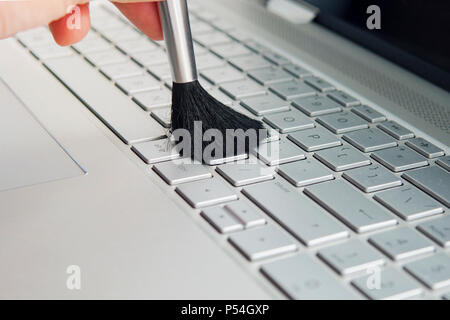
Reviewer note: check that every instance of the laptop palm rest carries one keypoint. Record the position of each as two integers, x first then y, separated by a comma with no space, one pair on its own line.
29,155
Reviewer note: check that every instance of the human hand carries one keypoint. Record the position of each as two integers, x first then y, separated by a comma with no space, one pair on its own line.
19,15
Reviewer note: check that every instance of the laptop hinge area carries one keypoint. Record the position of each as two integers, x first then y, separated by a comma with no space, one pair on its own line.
295,11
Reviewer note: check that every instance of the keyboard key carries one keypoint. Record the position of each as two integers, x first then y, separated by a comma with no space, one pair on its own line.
350,257
116,110
343,98
103,58
433,180
138,84
156,151
205,193
240,36
242,89
278,152
401,243
316,105
222,75
220,96
369,114
314,139
231,50
342,122
394,285
352,207
296,70
425,148
199,27
267,76
292,89
260,243
154,99
163,116
246,173
302,173
250,62
219,158
444,162
135,46
94,45
342,158
438,230
300,277
121,70
176,173
35,37
121,34
319,84
45,52
265,104
400,159
289,121
276,58
246,215
162,72
212,38
208,61
369,140
397,131
372,178
221,220
295,212
433,271
150,58
409,203
256,46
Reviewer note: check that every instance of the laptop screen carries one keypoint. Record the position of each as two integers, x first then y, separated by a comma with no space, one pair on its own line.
412,33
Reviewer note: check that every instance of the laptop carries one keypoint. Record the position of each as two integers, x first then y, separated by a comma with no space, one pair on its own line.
348,199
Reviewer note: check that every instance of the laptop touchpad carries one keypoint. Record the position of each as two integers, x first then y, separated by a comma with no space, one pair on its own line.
28,153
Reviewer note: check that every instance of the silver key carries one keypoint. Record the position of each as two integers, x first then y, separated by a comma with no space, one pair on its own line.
276,58
369,140
265,104
208,61
444,162
278,152
156,151
222,75
351,206
401,243
438,230
35,37
231,50
162,72
267,76
103,58
205,193
399,159
94,45
397,131
121,34
343,98
409,203
256,46
302,173
319,84
424,147
199,27
106,23
316,105
289,121
45,52
295,212
150,58
138,84
314,139
350,257
394,285
300,277
250,62
239,35
342,122
342,158
163,116
248,216
212,38
154,99
433,271
296,70
292,89
221,220
176,173
241,174
135,46
121,70
433,180
242,89
260,243
369,114
372,178
220,96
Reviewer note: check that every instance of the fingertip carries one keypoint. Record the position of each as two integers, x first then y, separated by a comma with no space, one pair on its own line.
73,27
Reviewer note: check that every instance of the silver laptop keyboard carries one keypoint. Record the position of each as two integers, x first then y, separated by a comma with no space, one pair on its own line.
350,192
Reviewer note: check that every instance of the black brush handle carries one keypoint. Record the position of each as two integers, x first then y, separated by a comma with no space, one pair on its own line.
177,34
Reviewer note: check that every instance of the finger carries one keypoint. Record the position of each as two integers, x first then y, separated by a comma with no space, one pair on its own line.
17,16
145,16
73,27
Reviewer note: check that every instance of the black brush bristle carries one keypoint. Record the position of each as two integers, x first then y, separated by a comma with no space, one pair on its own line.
191,103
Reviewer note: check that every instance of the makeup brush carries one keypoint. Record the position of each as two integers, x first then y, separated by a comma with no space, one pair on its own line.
190,102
